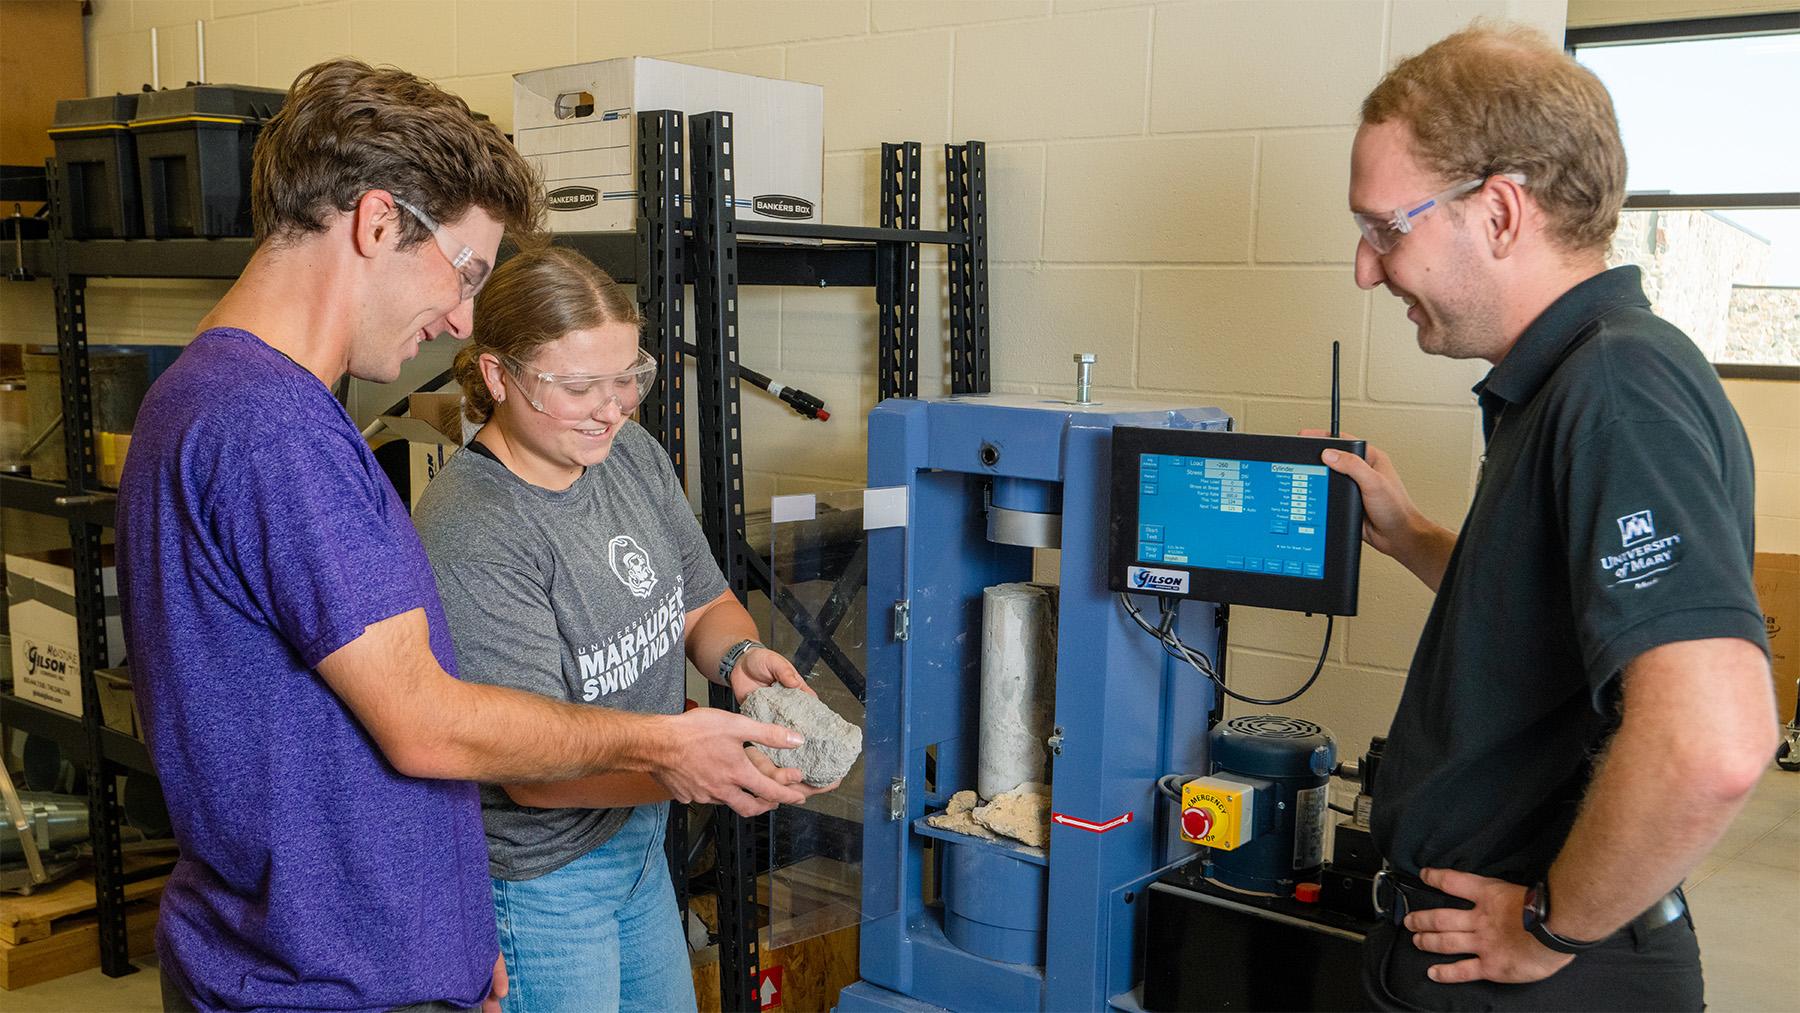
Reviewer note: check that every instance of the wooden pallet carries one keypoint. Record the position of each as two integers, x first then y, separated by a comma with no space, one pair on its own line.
55,932
812,971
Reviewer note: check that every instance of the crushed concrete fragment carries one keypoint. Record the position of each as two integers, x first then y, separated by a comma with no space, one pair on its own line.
960,821
832,744
1022,814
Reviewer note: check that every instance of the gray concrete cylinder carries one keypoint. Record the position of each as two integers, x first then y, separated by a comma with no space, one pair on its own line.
1018,685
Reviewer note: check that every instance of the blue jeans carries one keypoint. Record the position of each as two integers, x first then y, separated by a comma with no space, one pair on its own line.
600,933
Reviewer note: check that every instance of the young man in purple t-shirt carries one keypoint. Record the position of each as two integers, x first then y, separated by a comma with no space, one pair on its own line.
293,665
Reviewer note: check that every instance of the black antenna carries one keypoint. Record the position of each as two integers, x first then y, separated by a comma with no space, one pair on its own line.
1334,389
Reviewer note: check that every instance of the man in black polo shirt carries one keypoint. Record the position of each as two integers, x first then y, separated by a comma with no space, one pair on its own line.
1590,701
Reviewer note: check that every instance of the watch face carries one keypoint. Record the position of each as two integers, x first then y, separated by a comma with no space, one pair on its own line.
1535,908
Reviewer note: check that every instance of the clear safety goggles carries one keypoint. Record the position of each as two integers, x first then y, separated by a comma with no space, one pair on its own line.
1383,231
571,397
471,270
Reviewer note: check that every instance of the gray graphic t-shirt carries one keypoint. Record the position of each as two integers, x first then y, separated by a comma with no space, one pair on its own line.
580,595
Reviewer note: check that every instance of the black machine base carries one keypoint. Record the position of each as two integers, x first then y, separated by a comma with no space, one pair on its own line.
1210,948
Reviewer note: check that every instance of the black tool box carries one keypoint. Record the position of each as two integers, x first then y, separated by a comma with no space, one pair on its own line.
193,157
99,183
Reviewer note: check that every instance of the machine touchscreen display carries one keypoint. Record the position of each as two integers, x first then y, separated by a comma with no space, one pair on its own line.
1225,514
1234,518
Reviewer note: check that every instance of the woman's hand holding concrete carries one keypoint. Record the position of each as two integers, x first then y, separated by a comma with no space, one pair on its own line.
764,666
702,759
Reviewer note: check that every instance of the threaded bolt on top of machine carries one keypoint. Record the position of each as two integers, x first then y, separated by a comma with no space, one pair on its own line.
1084,363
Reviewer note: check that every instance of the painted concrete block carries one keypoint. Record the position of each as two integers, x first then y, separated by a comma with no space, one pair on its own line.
1264,331
1065,77
880,88
739,23
1184,200
1302,202
1221,65
1041,317
496,38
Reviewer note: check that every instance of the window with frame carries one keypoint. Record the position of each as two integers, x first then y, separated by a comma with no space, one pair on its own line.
1712,213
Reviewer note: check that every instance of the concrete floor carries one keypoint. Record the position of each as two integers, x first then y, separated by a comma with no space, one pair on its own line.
1745,897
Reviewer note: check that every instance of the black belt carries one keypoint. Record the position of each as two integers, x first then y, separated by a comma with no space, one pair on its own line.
1396,894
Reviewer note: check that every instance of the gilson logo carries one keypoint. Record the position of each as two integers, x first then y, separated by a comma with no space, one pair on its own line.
573,198
1634,528
35,661
1146,578
777,205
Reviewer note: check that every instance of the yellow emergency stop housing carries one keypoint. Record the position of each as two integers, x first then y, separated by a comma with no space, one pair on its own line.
1226,806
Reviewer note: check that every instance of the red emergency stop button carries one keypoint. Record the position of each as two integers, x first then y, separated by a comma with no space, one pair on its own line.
1196,822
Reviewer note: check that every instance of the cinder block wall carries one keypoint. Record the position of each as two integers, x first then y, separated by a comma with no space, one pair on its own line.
1167,183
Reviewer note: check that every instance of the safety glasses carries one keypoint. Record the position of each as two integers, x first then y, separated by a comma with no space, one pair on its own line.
571,397
471,270
1383,231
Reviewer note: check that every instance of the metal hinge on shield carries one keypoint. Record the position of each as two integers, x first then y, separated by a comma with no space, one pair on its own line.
902,619
897,799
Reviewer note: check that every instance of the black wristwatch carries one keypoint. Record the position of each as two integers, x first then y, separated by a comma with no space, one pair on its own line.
1537,915
730,660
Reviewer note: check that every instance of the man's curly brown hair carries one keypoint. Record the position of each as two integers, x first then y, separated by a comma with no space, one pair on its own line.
348,128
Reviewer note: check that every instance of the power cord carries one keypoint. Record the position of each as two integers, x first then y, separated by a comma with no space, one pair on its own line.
1165,634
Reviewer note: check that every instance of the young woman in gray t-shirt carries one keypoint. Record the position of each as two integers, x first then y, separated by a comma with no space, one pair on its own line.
570,565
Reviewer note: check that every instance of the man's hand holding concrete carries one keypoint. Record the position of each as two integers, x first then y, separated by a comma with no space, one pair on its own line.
702,759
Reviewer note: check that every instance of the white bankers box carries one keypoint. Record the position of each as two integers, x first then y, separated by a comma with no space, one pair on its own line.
577,126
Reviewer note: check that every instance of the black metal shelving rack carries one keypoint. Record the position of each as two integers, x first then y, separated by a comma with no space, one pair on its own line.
714,252
88,507
708,252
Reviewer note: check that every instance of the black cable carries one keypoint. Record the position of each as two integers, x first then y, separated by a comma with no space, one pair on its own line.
1170,786
1199,662
1334,807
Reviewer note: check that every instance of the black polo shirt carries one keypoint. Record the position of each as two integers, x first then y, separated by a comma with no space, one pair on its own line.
1614,514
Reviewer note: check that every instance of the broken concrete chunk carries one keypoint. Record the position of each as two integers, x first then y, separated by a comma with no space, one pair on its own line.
832,744
962,802
960,821
1021,815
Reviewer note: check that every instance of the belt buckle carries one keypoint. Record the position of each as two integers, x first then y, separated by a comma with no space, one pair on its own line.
1383,911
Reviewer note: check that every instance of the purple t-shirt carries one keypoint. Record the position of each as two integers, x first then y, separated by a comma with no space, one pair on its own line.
257,535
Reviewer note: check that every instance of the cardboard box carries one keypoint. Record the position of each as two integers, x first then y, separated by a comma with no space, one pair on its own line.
109,456
414,447
1778,588
118,702
577,126
46,654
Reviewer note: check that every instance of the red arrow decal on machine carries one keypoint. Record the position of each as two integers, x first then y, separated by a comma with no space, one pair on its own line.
1081,824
